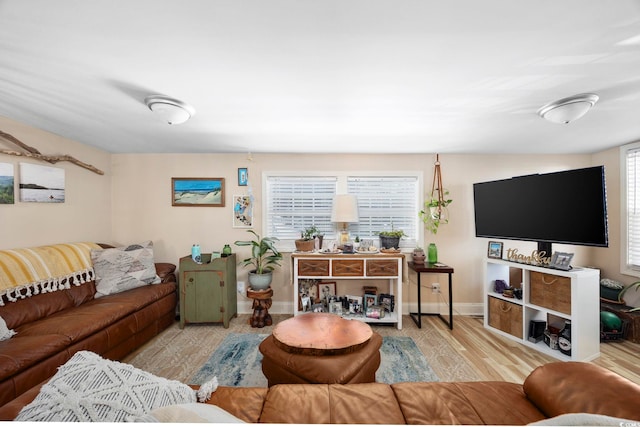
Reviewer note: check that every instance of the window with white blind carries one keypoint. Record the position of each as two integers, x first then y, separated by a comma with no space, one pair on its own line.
630,198
294,203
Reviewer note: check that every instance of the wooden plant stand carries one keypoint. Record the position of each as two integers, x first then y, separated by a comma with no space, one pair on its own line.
261,304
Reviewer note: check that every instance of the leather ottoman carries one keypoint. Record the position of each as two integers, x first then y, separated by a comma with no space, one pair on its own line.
284,364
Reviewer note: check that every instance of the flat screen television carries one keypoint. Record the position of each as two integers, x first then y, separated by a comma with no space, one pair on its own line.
568,207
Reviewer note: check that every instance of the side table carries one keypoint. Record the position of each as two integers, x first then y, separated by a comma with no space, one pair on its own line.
261,306
432,268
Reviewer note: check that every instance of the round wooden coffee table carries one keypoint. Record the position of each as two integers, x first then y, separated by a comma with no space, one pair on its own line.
321,334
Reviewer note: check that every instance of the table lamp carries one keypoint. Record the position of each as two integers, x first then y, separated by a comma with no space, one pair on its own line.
344,211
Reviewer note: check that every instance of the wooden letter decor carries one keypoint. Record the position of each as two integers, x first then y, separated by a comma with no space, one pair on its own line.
34,153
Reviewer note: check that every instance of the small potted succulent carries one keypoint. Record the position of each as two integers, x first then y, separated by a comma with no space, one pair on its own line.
390,239
306,242
418,255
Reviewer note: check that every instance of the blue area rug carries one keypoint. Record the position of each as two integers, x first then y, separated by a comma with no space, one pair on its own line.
237,362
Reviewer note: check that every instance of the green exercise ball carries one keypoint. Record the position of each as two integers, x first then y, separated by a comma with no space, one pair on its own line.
610,321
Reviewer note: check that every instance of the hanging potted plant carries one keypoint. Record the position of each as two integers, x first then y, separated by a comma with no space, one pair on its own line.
435,211
264,258
306,242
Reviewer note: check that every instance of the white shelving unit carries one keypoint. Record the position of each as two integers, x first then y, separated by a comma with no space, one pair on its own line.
581,305
352,267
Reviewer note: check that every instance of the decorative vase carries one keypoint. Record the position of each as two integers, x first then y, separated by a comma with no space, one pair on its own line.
418,256
433,253
226,251
260,282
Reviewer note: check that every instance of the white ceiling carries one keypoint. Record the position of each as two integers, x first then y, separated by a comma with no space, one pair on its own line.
305,76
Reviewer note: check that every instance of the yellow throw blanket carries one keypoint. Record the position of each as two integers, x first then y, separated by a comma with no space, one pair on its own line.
30,271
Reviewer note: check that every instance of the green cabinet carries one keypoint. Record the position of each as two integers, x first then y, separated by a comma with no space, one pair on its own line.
208,290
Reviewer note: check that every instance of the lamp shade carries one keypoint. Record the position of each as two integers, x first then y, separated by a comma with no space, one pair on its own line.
345,208
170,110
568,109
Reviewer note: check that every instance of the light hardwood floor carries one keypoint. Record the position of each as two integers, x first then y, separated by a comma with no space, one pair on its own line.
468,353
496,358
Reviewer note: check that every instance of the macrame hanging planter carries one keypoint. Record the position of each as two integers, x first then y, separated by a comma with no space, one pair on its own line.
436,212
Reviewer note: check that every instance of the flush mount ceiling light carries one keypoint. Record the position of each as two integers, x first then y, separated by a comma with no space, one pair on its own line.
171,110
566,110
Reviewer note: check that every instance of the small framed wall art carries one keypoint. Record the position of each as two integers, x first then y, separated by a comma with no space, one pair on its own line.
197,192
243,177
6,184
495,250
242,212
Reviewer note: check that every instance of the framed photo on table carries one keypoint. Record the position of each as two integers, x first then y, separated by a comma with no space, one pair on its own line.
495,250
561,260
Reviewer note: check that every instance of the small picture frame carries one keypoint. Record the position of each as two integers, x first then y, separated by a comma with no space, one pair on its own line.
335,307
387,301
355,304
243,177
317,308
370,300
495,250
326,290
561,260
242,211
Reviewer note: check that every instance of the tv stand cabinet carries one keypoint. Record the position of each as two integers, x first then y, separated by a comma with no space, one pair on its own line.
549,295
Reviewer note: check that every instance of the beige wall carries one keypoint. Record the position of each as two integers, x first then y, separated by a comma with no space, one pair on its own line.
86,213
132,202
142,207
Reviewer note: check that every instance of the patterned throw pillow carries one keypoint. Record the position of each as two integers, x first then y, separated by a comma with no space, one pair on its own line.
120,269
611,284
89,388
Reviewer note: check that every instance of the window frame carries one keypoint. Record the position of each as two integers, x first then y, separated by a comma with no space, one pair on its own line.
625,267
288,245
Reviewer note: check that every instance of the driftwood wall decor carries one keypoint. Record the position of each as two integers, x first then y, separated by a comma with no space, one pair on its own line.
34,153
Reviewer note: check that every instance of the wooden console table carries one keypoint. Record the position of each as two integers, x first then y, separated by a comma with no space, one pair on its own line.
352,266
432,268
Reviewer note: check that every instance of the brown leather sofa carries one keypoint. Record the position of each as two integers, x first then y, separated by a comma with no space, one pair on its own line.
554,389
51,327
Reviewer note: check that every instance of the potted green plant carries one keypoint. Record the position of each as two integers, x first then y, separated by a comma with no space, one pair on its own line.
264,258
306,242
635,285
390,239
435,212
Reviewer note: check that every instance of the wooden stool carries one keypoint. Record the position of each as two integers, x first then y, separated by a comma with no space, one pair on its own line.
261,305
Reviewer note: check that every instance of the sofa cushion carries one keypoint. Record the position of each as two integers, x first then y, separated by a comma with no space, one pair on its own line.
190,413
23,351
331,404
477,403
560,387
89,388
123,268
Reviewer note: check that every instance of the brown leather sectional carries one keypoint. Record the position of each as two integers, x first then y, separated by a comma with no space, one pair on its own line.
553,389
51,327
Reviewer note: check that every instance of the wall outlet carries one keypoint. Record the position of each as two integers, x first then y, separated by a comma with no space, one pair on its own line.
241,289
435,288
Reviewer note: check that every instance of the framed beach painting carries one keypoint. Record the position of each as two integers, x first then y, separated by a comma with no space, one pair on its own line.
197,192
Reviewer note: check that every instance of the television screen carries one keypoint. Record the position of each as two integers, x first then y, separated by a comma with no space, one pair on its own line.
567,207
